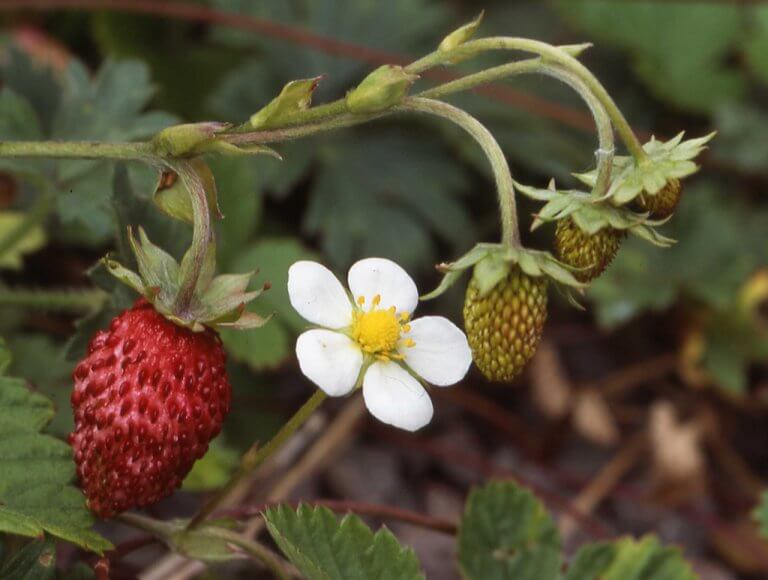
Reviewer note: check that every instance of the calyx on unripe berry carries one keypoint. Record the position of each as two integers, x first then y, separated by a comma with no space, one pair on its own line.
658,174
589,229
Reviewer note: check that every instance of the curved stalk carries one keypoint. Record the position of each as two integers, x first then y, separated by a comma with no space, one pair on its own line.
255,457
606,149
504,185
202,234
548,52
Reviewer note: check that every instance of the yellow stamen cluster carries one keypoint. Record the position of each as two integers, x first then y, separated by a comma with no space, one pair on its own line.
378,331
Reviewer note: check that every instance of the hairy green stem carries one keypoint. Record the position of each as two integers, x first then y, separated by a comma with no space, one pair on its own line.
142,151
75,301
550,53
606,149
504,185
202,235
254,457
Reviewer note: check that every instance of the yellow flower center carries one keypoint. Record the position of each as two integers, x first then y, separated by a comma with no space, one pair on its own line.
378,331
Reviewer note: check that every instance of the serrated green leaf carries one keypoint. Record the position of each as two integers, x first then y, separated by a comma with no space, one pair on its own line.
36,494
324,548
507,534
35,561
628,559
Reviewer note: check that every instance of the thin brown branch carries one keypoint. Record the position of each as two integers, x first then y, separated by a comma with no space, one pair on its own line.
357,507
635,375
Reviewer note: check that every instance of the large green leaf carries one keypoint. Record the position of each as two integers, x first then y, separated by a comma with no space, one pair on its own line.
36,494
108,107
324,548
31,239
628,559
507,534
756,44
678,48
371,198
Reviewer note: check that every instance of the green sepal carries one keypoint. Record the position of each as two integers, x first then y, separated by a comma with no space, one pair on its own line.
217,302
186,139
492,262
295,96
385,87
592,214
174,199
667,160
228,148
461,34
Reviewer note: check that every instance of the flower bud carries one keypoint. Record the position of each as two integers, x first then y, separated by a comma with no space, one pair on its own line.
295,96
380,90
461,34
182,140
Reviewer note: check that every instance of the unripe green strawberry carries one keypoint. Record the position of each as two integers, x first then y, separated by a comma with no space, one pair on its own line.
504,326
590,254
664,203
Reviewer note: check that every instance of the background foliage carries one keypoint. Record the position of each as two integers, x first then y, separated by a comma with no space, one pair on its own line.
406,189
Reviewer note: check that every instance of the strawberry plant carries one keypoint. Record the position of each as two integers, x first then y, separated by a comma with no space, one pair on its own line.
187,299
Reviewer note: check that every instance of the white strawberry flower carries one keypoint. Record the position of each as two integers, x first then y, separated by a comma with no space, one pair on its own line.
369,339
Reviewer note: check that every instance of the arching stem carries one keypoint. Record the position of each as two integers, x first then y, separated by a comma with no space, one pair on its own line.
551,54
504,185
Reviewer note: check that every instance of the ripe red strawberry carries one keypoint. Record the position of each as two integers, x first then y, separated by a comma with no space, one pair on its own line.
148,398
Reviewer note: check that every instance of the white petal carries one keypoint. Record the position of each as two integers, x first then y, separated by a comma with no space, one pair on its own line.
441,355
329,359
380,276
394,397
318,296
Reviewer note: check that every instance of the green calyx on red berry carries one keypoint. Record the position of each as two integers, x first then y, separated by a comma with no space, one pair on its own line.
218,301
666,161
493,262
592,215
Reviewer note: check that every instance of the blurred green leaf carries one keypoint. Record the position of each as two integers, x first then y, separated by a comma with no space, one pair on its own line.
35,561
679,49
740,142
376,25
214,469
107,107
761,514
507,534
33,239
756,44
269,345
36,495
5,356
370,198
720,241
324,548
628,559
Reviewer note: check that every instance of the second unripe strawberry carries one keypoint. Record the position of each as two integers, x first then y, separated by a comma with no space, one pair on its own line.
588,254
